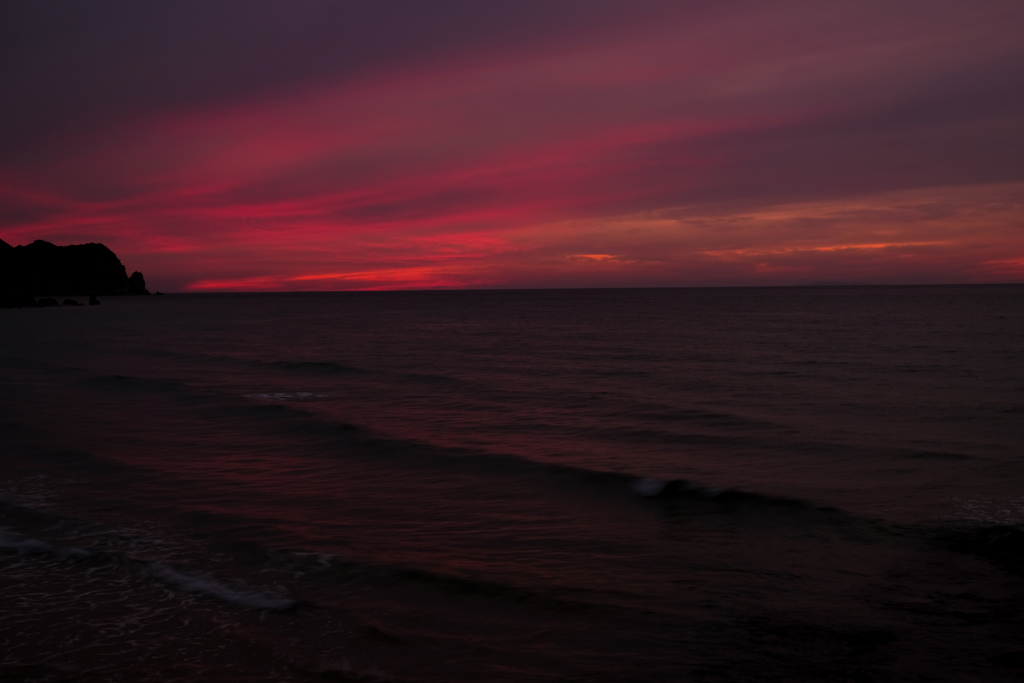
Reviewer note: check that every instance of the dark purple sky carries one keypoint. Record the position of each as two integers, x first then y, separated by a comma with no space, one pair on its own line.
355,145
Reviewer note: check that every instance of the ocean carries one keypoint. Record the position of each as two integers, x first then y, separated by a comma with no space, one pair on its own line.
734,484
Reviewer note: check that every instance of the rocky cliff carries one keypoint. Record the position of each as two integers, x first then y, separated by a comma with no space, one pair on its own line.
44,269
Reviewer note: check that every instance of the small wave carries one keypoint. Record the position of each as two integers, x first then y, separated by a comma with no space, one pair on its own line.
32,513
33,491
354,569
361,442
205,585
495,464
459,584
989,511
189,583
679,496
648,487
645,486
683,489
302,562
35,547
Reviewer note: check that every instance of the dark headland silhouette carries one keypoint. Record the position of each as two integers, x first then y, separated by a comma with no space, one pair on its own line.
46,270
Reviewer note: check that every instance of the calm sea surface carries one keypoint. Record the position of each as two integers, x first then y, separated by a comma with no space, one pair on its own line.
784,484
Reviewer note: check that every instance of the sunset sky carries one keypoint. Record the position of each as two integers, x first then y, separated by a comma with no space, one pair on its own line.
384,144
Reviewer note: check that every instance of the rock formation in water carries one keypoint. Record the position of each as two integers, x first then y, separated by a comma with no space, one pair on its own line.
44,269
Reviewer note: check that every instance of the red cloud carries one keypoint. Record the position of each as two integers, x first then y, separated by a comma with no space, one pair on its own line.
757,148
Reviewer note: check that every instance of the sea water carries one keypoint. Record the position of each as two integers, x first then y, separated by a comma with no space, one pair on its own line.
763,484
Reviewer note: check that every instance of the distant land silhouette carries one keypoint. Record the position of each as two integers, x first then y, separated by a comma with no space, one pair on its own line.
46,270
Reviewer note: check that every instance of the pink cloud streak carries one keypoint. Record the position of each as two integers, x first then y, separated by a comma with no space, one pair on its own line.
670,155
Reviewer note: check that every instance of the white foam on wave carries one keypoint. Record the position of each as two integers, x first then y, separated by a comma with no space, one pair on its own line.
989,511
649,486
206,585
190,583
35,491
31,545
646,486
